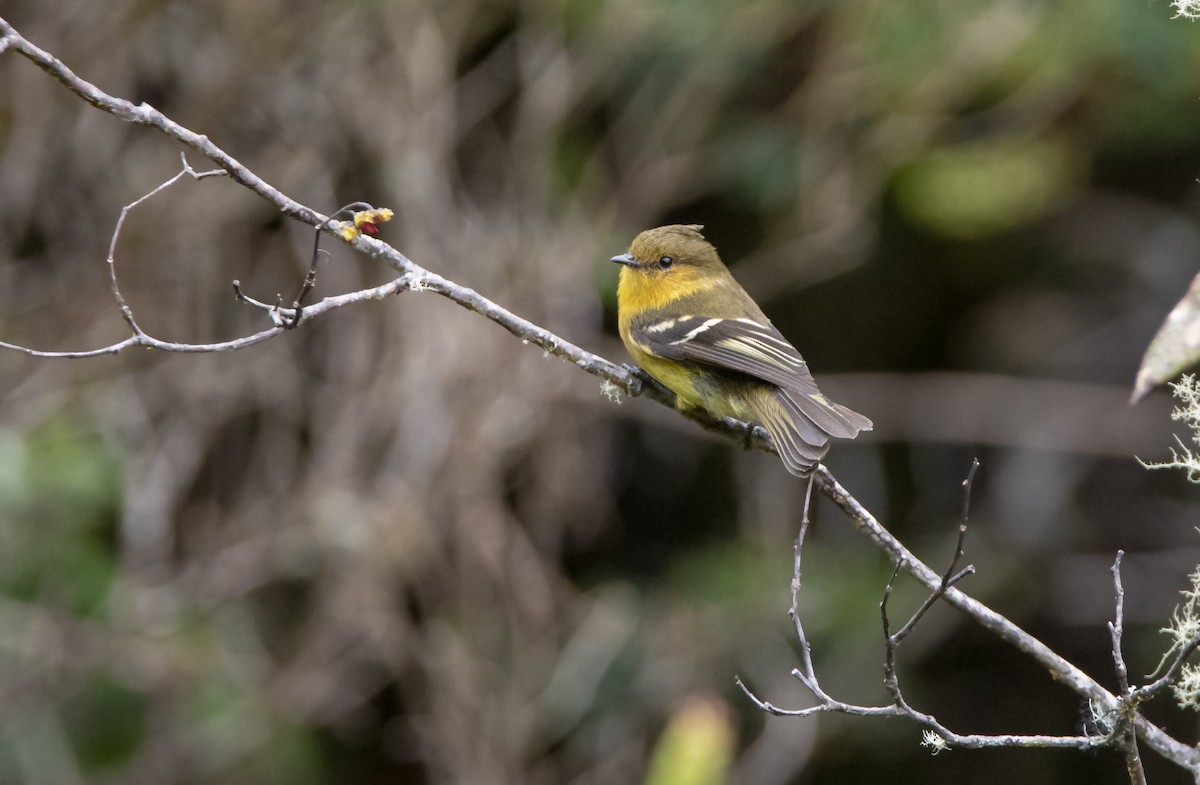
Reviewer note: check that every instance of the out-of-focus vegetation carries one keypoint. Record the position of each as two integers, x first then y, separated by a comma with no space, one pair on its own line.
399,546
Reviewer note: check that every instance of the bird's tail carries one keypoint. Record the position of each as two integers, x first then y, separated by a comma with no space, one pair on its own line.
801,425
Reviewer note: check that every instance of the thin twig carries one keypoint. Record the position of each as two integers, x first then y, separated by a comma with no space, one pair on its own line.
1126,738
1116,628
890,680
1123,734
1171,675
949,577
809,676
393,287
126,311
964,741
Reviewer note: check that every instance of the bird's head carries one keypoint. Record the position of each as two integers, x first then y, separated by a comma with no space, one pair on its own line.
670,251
667,263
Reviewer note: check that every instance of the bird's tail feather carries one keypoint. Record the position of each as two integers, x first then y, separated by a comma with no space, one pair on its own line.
801,426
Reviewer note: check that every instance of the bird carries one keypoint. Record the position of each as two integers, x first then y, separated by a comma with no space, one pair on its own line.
692,327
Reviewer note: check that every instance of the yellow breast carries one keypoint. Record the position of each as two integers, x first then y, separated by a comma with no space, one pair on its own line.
639,291
648,292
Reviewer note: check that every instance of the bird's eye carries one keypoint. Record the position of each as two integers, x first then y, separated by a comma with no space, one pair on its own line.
665,262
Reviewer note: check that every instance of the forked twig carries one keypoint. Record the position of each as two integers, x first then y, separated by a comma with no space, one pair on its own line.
937,736
1122,731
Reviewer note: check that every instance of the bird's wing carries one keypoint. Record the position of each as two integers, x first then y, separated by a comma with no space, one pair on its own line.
741,345
755,349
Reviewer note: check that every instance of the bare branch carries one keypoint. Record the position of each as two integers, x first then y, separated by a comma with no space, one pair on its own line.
949,577
937,735
144,114
187,170
1059,669
964,741
1123,735
393,287
890,680
632,380
1116,628
422,279
808,675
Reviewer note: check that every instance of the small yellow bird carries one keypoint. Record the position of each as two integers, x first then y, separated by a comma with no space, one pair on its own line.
692,327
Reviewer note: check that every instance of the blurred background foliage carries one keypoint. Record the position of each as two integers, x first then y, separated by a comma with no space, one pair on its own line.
399,546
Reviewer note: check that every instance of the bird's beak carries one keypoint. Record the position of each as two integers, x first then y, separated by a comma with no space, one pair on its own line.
625,258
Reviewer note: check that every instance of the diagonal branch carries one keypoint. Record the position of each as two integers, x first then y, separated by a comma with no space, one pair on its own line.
937,736
144,114
1059,668
630,380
